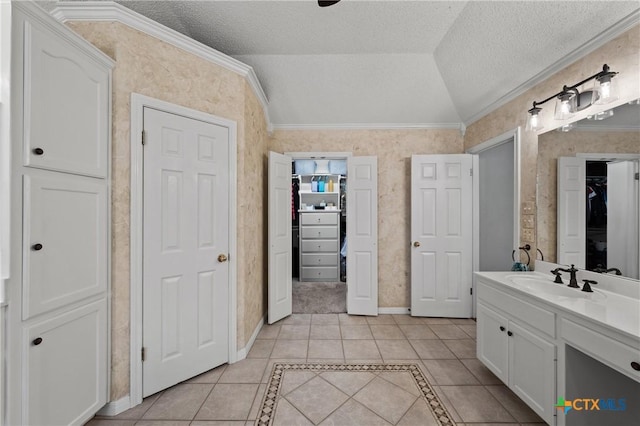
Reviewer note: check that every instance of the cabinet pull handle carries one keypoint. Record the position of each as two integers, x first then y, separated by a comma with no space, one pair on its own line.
38,151
37,247
509,333
37,341
501,328
635,366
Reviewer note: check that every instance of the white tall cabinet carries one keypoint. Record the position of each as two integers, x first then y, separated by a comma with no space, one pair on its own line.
58,289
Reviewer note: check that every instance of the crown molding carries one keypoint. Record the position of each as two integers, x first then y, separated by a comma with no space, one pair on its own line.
101,11
370,126
604,37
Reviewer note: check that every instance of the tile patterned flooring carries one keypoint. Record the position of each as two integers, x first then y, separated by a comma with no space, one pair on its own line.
443,348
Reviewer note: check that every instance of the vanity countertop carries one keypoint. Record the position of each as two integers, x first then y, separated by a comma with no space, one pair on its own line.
615,311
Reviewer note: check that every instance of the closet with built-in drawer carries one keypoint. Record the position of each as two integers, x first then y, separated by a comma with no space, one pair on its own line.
58,293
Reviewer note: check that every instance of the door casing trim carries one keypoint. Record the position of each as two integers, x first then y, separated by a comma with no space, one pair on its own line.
138,103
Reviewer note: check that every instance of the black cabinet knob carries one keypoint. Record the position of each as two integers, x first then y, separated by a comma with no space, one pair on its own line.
635,366
501,328
509,333
37,247
38,151
37,341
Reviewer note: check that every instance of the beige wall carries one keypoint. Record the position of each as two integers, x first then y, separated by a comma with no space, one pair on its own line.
394,149
552,145
153,68
621,54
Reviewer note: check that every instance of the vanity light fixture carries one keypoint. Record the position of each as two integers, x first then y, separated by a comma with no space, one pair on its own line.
570,99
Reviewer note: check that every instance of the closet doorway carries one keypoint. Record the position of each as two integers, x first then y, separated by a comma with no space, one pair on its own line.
322,248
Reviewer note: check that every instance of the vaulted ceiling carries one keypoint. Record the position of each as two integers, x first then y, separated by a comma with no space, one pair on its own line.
412,63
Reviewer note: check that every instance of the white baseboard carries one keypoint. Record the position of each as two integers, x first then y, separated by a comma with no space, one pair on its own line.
114,408
395,311
242,353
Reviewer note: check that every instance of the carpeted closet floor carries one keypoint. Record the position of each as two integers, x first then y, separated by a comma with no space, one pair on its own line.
319,298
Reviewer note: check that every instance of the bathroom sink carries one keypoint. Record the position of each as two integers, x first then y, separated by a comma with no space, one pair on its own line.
540,285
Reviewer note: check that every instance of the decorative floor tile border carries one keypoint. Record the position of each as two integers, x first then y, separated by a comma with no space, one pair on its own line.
267,411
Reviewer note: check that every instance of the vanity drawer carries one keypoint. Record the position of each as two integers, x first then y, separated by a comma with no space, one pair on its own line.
320,259
319,218
324,232
605,349
529,314
310,246
324,273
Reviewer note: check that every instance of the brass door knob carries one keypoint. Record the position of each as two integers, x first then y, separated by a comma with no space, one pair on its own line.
416,244
222,258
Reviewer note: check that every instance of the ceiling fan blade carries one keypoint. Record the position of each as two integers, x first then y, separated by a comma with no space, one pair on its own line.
322,3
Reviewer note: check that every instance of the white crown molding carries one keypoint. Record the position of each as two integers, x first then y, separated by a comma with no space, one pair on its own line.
100,11
604,37
370,126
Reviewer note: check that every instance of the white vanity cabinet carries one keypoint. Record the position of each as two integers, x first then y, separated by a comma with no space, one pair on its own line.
519,354
58,289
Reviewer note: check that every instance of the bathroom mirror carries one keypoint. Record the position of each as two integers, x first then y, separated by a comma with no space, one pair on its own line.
601,150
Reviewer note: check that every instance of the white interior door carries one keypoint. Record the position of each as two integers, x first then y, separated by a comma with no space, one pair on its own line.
186,244
622,217
362,236
279,258
572,211
441,235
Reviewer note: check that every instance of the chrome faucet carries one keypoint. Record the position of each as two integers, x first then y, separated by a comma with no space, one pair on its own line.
573,281
599,269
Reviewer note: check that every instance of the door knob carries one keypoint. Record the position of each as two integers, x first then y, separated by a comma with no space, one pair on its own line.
222,258
416,244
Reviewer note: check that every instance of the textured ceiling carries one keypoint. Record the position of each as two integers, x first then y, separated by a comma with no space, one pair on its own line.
389,62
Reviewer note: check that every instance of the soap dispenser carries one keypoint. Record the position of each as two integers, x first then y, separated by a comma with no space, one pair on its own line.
321,185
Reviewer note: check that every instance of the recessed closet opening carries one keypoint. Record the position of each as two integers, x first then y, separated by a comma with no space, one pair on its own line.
319,233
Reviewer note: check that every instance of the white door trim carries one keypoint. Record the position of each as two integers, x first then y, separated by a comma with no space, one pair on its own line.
475,150
138,103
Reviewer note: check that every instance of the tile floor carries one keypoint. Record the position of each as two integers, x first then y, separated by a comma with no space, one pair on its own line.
443,348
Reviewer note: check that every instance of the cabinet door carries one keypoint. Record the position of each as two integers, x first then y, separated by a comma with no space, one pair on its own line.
65,242
492,344
532,370
66,106
66,367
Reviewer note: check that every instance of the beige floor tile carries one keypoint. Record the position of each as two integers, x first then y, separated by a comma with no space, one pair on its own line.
476,404
245,371
286,414
381,319
218,423
316,399
180,402
387,332
462,348
211,376
449,372
346,319
417,331
396,349
261,349
448,405
354,413
385,399
356,332
514,405
267,371
419,414
329,349
325,332
448,331
325,319
228,402
469,329
402,379
408,319
293,332
269,331
325,360
361,350
163,423
138,411
430,321
348,382
293,379
257,401
432,349
290,349
297,319
482,373
101,421
463,321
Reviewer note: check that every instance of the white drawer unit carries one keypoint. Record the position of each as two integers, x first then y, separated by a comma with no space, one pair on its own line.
319,245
